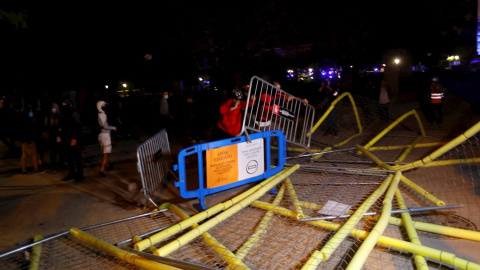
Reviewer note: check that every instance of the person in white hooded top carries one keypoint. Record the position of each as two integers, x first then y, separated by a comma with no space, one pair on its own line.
104,137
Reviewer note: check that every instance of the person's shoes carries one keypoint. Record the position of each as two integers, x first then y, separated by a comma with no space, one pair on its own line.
53,171
24,173
68,177
101,174
79,179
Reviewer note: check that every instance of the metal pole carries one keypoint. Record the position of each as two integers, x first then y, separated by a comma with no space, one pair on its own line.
417,209
48,238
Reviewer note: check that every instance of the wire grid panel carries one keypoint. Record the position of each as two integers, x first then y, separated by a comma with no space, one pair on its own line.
67,252
283,242
154,162
275,109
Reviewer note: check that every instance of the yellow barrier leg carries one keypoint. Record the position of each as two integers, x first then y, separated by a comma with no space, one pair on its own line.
126,256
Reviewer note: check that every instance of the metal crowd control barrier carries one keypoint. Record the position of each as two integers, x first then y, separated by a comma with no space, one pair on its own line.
154,162
275,109
230,163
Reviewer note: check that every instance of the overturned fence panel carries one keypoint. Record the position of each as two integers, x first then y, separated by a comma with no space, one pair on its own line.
153,163
229,163
275,109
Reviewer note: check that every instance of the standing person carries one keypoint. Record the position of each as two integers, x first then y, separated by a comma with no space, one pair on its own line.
70,130
51,126
104,137
166,117
28,135
7,118
231,111
329,91
436,104
384,101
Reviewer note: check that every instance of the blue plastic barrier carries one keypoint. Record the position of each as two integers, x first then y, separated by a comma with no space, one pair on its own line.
230,163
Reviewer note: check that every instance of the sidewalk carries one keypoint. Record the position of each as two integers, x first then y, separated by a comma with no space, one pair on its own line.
41,204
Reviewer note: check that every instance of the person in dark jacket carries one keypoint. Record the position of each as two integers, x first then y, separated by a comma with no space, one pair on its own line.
51,125
70,129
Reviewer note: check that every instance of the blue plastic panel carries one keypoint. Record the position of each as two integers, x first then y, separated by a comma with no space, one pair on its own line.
230,163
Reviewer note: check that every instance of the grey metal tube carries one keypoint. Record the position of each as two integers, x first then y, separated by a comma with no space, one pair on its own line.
417,209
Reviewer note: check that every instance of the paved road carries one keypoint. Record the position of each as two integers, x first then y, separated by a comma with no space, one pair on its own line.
41,204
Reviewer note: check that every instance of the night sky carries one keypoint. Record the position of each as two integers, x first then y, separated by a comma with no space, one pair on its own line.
82,42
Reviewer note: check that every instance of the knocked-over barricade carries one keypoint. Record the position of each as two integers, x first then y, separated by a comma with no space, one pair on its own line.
388,198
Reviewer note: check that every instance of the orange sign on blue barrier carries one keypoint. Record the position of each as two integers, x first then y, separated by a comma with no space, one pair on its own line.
229,163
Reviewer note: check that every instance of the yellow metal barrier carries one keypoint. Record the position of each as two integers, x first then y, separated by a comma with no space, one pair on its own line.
260,230
126,256
224,252
404,179
420,261
189,236
402,245
160,236
345,230
371,240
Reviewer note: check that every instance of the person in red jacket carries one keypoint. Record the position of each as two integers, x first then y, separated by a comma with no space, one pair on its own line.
231,111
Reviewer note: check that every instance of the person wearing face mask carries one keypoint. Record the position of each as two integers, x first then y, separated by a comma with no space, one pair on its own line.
53,143
104,137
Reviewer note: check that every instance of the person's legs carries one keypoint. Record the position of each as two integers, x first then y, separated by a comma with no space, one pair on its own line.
106,145
104,162
23,159
35,162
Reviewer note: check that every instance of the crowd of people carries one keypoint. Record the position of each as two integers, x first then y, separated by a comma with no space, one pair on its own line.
47,134
54,128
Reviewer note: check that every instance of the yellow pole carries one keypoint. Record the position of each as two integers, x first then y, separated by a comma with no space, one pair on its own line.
311,205
352,221
346,94
396,147
392,125
36,251
219,248
126,256
439,229
172,230
443,149
253,239
404,179
370,241
408,149
189,236
452,162
397,244
420,261
294,198
422,191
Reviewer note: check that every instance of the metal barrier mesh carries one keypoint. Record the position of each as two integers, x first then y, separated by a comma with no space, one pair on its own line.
275,109
265,229
153,163
64,251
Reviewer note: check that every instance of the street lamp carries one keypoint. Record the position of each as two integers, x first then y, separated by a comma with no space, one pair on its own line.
397,61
